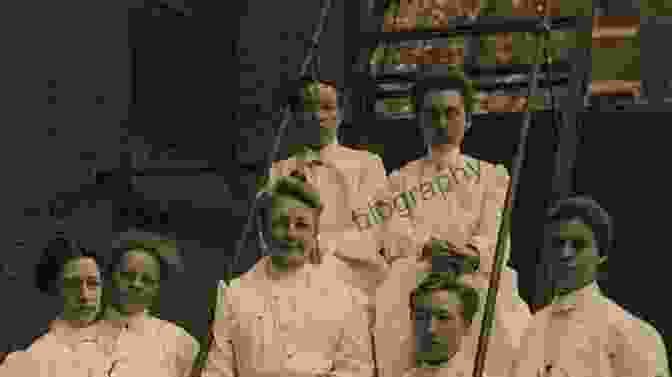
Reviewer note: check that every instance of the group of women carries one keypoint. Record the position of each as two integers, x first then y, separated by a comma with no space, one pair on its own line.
105,328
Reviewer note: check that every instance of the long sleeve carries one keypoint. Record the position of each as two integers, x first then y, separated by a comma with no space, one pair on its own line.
20,363
358,247
531,350
373,177
402,239
221,361
374,187
638,350
354,356
660,353
484,238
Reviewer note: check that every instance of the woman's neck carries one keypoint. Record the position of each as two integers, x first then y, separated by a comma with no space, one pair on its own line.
115,312
279,272
78,324
444,152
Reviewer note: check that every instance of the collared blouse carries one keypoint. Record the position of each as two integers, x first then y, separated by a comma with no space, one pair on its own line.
585,334
150,346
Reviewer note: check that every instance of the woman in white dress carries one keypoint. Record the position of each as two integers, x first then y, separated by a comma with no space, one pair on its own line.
147,345
74,344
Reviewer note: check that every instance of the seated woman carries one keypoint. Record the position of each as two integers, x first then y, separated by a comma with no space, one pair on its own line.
73,345
147,345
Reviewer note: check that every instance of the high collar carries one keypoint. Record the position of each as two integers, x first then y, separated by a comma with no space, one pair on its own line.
577,299
454,362
454,159
263,270
329,149
64,330
134,322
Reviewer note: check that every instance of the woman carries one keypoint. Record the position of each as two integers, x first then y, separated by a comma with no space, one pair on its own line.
74,344
147,345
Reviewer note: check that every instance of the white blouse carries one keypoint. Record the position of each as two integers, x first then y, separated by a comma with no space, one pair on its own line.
118,346
62,351
149,346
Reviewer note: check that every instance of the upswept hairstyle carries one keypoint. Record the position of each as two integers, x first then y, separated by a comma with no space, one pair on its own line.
455,79
294,187
56,254
296,94
164,250
438,281
591,213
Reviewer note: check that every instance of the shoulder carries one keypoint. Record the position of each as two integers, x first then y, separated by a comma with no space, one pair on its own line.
232,285
228,292
183,345
497,174
176,331
410,168
44,340
538,322
358,158
633,335
360,153
474,165
628,325
21,363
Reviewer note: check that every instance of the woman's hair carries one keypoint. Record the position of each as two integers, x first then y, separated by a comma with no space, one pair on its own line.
295,188
591,213
455,79
438,281
56,254
296,96
164,250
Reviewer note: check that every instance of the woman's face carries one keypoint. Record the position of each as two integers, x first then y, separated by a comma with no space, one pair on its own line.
136,281
81,291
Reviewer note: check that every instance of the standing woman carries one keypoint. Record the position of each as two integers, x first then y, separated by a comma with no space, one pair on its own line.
147,345
73,345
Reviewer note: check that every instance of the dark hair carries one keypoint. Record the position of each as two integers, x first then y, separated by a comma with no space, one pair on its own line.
291,187
58,252
455,79
165,251
591,213
295,188
296,95
438,281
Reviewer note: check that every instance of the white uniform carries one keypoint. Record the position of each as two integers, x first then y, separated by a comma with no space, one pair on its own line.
62,351
461,201
586,334
299,325
148,346
460,365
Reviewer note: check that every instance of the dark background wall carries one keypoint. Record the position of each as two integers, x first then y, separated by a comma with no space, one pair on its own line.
189,72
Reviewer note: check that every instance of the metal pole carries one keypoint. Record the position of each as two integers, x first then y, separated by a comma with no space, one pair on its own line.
283,125
488,315
326,7
565,158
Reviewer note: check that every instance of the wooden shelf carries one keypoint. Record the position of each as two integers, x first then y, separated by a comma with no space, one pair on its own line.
615,32
615,87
